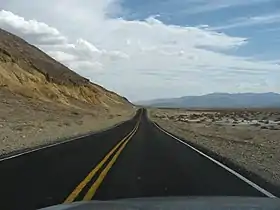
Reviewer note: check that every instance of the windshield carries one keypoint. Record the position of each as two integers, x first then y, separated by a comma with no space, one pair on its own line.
124,99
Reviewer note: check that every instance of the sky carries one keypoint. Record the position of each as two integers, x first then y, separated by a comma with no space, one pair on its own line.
147,49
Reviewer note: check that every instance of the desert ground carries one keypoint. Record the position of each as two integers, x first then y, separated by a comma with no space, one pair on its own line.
247,137
27,123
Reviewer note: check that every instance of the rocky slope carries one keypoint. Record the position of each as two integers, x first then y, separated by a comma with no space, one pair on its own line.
28,71
42,101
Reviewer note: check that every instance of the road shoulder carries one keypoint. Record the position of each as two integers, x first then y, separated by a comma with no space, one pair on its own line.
204,144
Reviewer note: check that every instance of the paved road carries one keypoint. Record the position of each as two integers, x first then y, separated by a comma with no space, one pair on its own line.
134,159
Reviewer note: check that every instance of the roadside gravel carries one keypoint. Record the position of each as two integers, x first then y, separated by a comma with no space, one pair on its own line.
26,124
255,149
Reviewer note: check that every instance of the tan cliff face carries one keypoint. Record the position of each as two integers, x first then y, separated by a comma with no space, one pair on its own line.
27,71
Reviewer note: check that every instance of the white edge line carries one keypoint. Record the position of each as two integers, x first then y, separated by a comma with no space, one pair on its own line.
62,142
257,187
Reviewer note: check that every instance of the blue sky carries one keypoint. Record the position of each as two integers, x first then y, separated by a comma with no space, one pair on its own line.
146,49
264,37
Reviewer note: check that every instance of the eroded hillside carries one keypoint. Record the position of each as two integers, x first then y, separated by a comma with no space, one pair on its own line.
42,101
28,71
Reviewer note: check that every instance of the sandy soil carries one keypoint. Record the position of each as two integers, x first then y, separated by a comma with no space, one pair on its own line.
249,138
26,123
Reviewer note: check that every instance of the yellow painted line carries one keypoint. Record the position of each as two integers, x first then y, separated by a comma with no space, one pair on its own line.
103,174
81,186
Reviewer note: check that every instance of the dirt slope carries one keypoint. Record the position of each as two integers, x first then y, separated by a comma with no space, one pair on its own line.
43,101
28,71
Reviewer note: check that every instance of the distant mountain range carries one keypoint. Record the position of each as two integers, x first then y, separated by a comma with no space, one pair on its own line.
219,100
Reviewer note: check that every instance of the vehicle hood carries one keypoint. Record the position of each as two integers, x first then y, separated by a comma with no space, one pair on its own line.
176,203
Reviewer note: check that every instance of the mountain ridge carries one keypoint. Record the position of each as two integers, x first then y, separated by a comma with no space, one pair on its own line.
219,100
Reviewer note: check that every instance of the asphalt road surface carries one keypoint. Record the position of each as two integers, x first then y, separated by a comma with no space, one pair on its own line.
134,159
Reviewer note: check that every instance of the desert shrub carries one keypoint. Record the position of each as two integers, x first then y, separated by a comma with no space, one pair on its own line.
75,113
194,116
66,124
273,128
256,124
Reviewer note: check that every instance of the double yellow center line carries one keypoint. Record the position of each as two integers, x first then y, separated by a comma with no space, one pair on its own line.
91,192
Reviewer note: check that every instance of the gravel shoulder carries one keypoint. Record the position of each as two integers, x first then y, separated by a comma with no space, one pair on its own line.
27,123
247,138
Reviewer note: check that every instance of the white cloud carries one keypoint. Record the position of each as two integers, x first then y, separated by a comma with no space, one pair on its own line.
251,21
78,55
143,59
33,30
153,33
26,27
62,56
86,46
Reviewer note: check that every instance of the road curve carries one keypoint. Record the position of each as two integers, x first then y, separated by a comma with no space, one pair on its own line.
134,159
